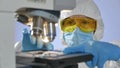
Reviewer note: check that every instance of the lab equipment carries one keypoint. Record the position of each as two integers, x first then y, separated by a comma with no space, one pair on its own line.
49,10
80,41
38,59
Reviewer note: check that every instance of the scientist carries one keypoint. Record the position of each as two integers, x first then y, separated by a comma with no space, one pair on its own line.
88,8
78,31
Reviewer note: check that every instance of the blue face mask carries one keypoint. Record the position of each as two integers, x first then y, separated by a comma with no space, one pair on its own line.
77,37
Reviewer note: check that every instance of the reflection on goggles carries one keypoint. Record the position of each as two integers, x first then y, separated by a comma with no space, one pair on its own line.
86,24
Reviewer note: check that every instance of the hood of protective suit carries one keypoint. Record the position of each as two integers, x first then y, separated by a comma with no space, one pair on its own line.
90,9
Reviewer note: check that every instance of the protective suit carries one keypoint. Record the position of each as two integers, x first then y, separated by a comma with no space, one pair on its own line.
78,31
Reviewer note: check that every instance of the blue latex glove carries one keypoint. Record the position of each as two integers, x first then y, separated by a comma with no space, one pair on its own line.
102,51
28,45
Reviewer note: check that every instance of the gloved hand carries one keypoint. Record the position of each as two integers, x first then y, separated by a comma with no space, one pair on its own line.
30,43
102,51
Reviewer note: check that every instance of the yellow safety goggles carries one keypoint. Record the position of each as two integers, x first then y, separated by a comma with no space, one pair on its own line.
84,23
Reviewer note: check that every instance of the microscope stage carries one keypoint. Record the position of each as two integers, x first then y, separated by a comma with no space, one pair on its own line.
52,59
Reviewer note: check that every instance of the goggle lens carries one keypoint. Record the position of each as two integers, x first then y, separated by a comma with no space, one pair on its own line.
86,24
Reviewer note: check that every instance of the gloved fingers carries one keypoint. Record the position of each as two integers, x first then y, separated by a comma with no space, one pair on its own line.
89,64
95,59
40,42
49,46
74,49
101,63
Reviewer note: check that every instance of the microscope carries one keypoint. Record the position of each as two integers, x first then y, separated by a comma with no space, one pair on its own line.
41,16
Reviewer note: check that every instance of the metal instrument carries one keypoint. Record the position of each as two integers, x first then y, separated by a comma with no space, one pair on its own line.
37,11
